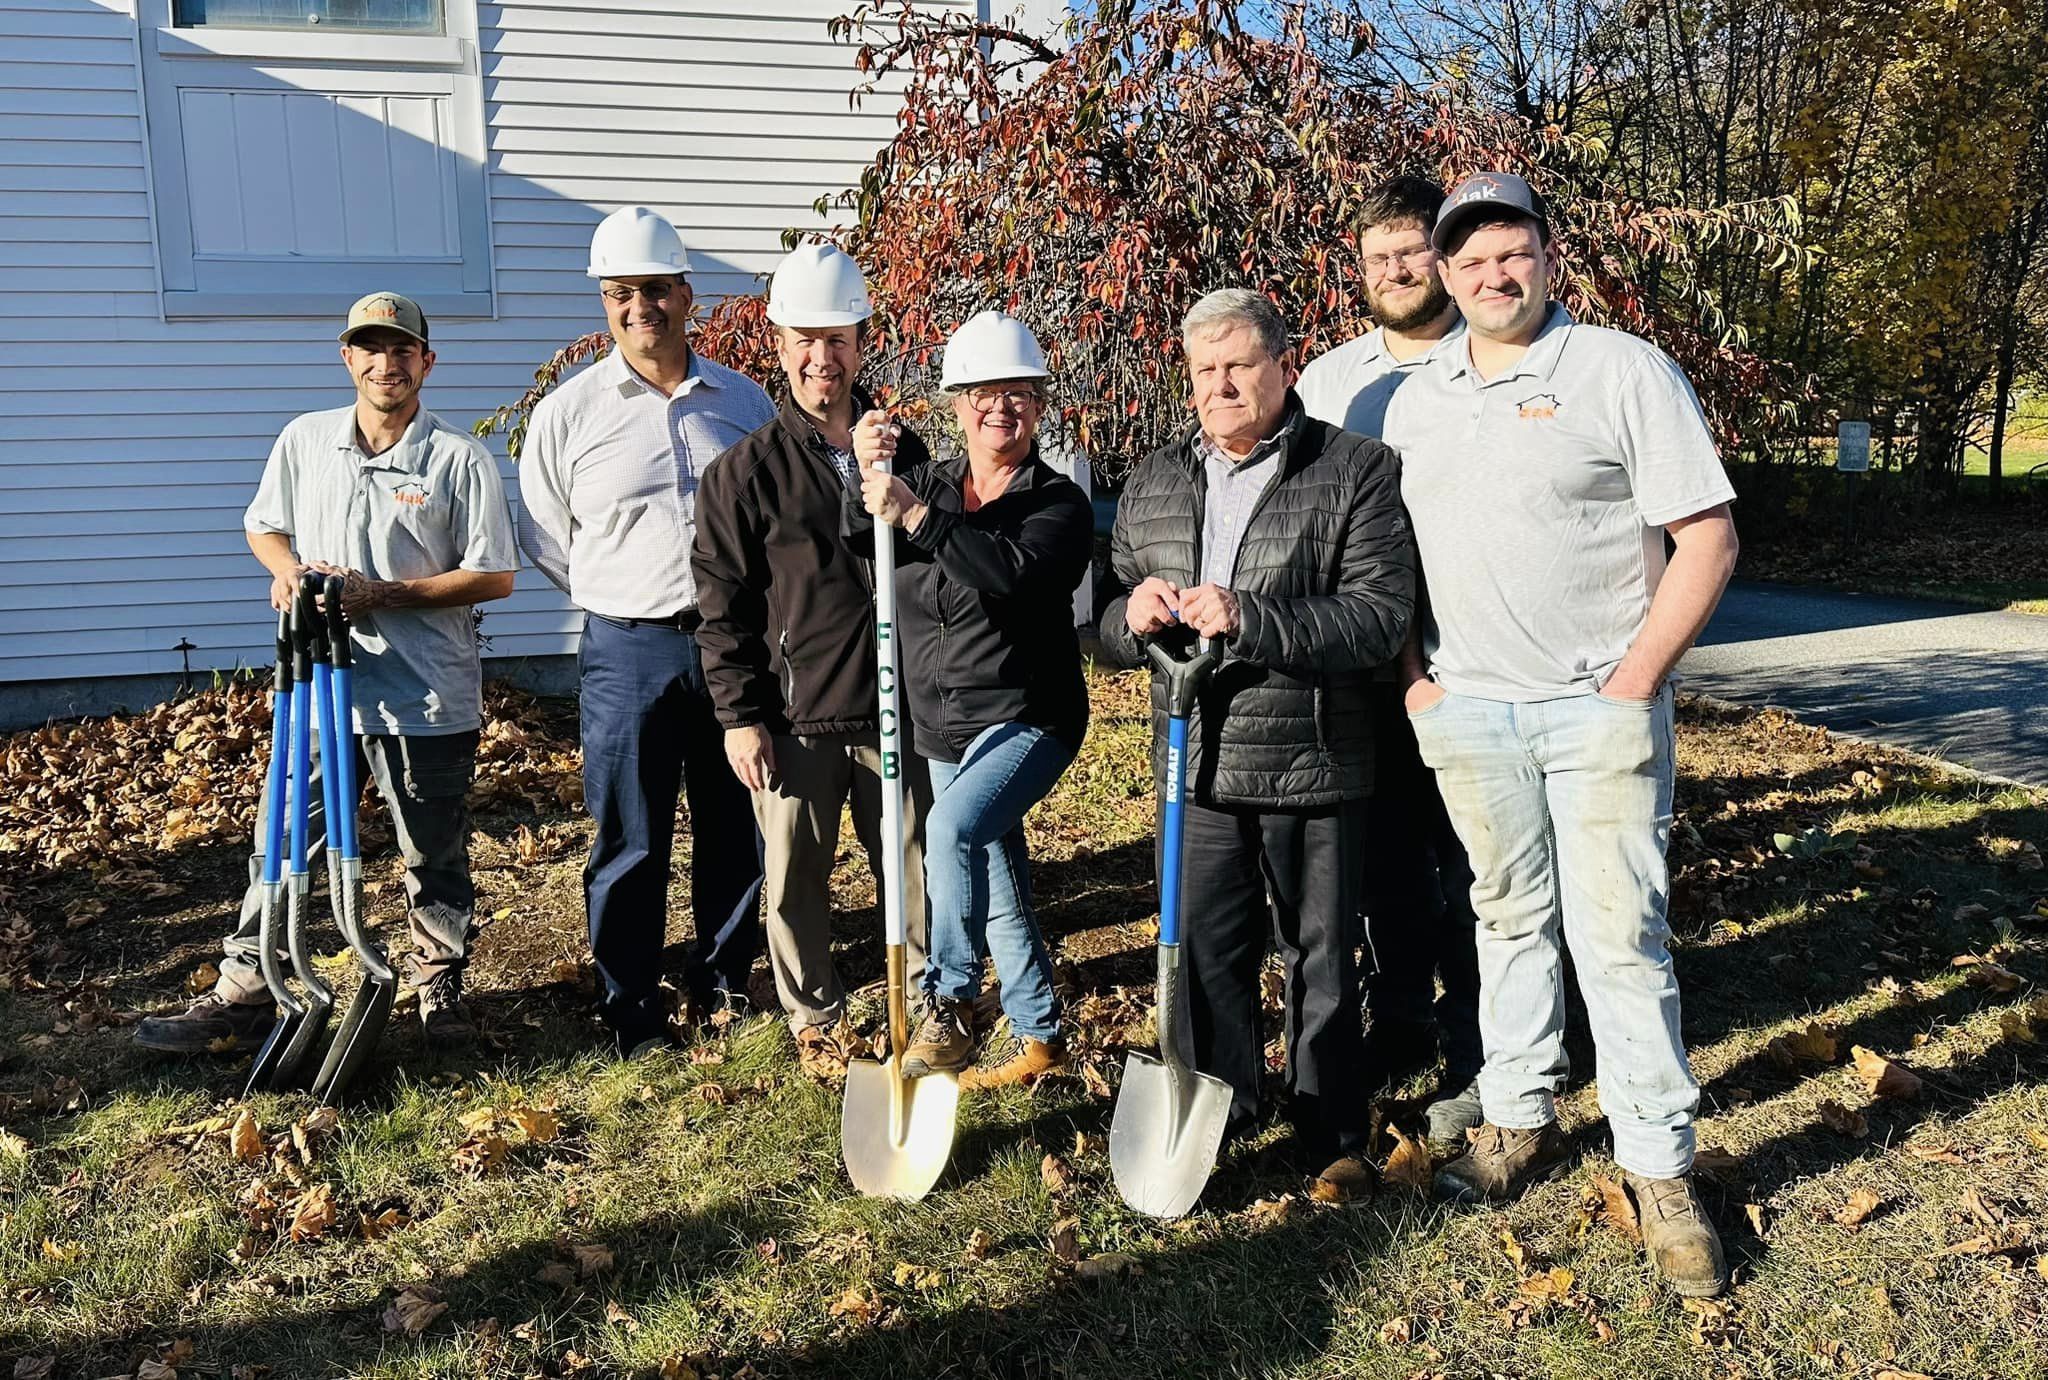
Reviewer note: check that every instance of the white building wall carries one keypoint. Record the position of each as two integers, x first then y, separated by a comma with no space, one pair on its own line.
129,445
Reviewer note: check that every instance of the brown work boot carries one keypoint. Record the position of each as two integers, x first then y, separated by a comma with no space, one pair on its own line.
211,1025
443,1016
1499,1162
1682,1242
1026,1063
1348,1179
944,1041
823,1051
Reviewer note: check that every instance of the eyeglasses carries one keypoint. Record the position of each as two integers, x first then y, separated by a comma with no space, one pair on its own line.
652,292
985,399
1377,265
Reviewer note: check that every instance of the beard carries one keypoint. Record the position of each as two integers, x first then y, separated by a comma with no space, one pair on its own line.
1426,309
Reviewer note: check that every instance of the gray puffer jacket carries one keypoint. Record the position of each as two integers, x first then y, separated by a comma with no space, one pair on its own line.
1325,584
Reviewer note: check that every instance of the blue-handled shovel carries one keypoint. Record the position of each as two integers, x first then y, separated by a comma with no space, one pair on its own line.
319,1004
1169,1119
284,700
369,1011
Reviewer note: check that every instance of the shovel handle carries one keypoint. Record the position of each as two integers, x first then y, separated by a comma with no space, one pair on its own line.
1185,668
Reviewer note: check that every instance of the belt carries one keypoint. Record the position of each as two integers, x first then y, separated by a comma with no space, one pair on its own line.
688,621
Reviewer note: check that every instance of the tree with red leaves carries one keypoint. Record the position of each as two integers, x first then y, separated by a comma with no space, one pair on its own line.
1096,191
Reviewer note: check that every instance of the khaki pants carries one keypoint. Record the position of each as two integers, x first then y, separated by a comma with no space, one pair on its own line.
799,822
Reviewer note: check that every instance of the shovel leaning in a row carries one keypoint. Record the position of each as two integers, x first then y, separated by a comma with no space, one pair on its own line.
1169,1119
313,687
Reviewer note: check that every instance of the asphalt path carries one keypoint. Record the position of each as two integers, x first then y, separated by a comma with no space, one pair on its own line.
1946,680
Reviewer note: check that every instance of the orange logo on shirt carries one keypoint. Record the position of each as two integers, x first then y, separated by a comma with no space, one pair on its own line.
411,492
1542,407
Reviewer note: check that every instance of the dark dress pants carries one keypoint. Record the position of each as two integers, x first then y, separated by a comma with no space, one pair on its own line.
648,730
1307,861
1418,900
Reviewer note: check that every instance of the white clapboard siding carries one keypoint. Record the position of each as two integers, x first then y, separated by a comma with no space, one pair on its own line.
129,445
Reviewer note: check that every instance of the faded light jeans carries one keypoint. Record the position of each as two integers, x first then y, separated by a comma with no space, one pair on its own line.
978,876
1565,809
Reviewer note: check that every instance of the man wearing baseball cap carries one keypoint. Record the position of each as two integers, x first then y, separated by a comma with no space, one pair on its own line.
1545,464
411,512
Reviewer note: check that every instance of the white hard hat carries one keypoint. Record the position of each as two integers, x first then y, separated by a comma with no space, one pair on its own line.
634,242
818,285
991,347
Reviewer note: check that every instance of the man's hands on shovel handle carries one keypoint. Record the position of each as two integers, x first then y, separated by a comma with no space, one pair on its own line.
1211,610
751,751
1153,606
881,492
359,593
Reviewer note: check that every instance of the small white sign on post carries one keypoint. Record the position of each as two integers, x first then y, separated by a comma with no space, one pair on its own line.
1852,447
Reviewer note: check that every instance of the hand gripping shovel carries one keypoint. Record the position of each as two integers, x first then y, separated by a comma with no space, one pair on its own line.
287,709
370,1009
895,1132
1169,1119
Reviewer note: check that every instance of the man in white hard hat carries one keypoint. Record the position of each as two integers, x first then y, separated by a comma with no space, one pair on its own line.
610,481
786,589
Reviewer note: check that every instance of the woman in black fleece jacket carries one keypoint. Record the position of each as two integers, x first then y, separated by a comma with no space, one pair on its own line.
996,542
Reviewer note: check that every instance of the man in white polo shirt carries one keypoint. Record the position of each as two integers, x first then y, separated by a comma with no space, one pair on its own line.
1418,890
411,512
1544,466
608,482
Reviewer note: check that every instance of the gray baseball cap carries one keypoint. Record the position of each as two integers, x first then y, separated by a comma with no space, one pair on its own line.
389,310
1484,193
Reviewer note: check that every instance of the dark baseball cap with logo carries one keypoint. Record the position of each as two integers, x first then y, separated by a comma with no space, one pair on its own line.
389,310
1487,194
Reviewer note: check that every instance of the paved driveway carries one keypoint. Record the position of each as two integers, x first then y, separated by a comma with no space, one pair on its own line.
1943,679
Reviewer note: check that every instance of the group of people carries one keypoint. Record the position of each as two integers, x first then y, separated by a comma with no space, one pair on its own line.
1437,748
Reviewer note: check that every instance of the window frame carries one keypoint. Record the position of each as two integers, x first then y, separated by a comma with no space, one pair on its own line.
333,62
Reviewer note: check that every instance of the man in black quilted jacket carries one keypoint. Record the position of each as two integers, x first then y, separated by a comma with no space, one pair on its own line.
1283,539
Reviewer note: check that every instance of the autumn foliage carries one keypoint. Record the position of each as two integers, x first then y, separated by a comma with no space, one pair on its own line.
1097,189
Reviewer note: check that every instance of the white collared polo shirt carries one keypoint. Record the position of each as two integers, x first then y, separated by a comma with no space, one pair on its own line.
1350,386
1539,499
431,504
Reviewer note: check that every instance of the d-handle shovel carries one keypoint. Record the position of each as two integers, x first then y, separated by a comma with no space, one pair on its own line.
1169,1119
895,1132
369,1011
309,647
287,706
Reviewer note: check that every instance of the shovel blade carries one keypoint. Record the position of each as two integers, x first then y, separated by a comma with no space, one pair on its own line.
300,1046
361,1027
896,1133
263,1072
1165,1134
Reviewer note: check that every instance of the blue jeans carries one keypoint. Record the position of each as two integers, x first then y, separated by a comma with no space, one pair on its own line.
647,730
1565,809
978,877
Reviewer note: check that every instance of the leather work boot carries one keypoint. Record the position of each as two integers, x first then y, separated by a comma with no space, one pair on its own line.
944,1040
1027,1061
445,1019
1499,1163
1348,1179
1682,1242
211,1025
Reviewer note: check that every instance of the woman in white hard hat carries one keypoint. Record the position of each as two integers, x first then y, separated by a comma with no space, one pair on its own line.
997,542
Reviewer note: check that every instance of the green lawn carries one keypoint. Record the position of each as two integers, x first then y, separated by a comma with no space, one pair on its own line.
538,1209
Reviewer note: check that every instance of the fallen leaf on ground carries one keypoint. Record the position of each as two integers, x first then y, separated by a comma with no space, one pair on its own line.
1991,977
1054,1175
1936,1154
916,1276
314,1213
540,1123
35,1368
155,1370
379,1225
1714,1160
1884,1077
1755,1213
201,980
1086,1145
1844,1121
617,1315
1856,1209
12,1147
1974,1203
1397,1332
1107,1264
63,1252
979,1244
1409,1164
856,1305
245,1138
559,1273
1616,1209
414,1310
481,1155
1548,1286
591,1260
1271,1212
1065,1240
1513,1248
1813,1045
1970,914
1893,1373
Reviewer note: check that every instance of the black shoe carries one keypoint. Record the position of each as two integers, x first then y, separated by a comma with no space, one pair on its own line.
211,1025
445,1019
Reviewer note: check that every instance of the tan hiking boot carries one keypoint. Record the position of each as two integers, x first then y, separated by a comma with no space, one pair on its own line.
1348,1179
944,1042
1499,1162
1026,1063
1682,1242
823,1051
